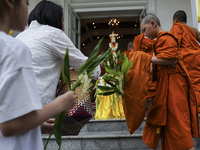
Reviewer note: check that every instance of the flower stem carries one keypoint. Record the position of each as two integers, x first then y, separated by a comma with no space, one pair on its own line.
48,140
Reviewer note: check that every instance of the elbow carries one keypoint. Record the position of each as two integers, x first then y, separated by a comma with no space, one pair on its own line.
7,131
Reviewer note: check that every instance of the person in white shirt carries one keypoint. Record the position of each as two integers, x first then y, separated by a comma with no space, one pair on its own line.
47,41
21,111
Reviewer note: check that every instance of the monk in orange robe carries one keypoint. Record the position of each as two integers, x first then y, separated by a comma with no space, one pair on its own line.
173,113
135,90
129,49
142,43
189,49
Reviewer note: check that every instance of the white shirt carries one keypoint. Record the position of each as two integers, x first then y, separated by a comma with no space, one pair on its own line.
48,47
18,92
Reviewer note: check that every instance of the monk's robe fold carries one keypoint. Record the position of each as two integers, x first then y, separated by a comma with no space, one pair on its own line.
190,53
174,107
141,43
135,90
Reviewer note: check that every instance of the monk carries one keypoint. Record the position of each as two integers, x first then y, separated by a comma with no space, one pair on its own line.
173,113
189,49
129,48
143,43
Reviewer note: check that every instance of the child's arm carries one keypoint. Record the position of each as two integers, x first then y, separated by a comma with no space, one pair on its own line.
37,117
160,61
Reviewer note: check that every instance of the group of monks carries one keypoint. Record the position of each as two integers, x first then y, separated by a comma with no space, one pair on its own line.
166,68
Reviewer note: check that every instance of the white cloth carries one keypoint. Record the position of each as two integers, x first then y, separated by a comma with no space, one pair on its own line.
48,47
18,92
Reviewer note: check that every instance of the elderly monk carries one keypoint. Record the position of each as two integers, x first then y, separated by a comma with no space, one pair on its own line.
173,113
189,49
143,43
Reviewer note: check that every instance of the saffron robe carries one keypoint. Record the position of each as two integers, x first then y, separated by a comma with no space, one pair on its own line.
190,54
135,90
173,112
141,43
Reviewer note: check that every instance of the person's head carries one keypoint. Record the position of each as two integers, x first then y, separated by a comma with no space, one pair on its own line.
150,26
130,46
48,13
13,15
180,16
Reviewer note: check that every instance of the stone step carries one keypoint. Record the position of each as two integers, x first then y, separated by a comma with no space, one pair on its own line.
104,142
116,141
111,125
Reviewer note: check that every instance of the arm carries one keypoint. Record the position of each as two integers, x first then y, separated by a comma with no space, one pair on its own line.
160,61
60,41
37,117
197,33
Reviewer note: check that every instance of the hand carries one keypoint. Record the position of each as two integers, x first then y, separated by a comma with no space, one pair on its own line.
68,100
47,126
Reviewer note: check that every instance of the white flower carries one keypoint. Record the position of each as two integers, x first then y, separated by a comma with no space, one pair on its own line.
121,83
85,81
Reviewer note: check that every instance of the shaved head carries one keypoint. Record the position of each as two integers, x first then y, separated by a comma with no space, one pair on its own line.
180,15
150,17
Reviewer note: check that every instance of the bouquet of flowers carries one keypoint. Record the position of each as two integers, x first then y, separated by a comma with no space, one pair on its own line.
84,74
117,66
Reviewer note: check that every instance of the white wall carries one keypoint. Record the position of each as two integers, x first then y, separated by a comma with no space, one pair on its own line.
165,10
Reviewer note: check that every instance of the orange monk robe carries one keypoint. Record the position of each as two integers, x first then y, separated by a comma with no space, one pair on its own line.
190,53
141,43
173,112
126,52
135,90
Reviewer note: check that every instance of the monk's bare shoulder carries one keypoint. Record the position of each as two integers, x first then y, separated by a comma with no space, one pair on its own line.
196,32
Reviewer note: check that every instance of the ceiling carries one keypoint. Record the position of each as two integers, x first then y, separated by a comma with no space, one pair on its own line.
128,12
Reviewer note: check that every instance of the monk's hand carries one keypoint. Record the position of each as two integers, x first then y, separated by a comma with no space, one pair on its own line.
47,126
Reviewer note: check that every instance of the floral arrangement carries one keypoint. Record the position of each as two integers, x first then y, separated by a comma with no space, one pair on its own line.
84,74
117,66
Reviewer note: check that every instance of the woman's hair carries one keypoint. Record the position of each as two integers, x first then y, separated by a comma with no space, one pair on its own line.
47,13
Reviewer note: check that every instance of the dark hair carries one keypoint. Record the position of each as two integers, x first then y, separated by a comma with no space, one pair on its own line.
31,16
47,13
151,17
180,15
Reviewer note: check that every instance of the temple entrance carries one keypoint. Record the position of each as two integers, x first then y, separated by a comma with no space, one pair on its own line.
88,21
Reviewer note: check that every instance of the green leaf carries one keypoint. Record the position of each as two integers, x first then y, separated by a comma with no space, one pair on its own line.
111,71
112,85
97,61
124,77
110,78
128,67
65,70
90,58
105,88
118,53
58,127
106,93
124,64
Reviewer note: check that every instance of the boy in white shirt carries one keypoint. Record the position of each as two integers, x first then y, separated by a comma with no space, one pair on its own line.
21,112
